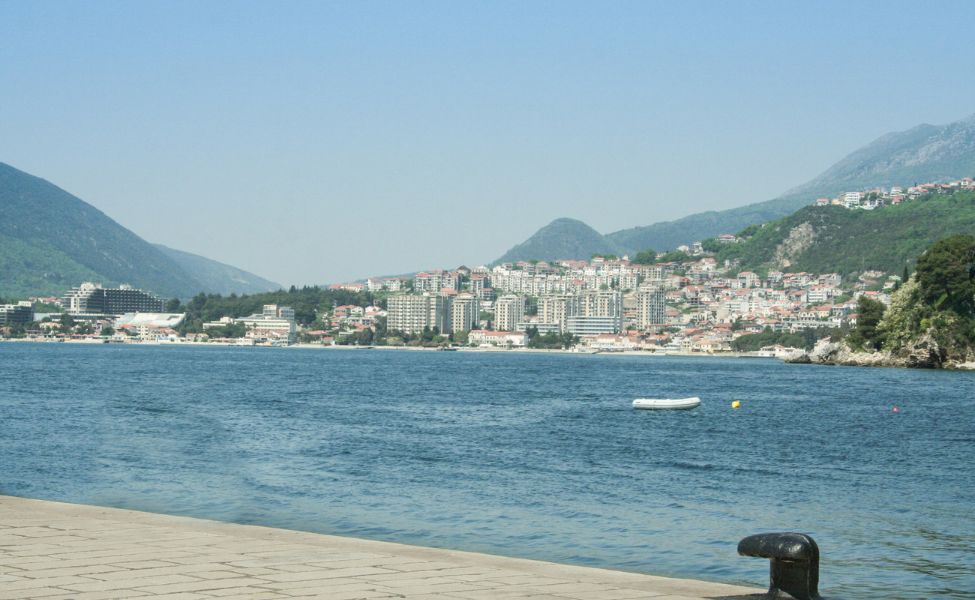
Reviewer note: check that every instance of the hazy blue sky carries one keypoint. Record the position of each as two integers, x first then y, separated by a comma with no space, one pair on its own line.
316,142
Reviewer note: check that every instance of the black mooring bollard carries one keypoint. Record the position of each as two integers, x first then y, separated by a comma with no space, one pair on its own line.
794,559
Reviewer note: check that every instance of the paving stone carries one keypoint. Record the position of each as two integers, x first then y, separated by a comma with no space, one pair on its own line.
200,585
63,551
326,574
26,584
112,595
30,593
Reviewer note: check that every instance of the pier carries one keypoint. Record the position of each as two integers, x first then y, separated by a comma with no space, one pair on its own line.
58,551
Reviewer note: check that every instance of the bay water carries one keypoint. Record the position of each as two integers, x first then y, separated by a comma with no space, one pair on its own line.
530,455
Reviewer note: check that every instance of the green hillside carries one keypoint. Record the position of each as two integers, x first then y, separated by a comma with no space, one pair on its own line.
37,269
833,238
670,234
51,240
562,238
218,277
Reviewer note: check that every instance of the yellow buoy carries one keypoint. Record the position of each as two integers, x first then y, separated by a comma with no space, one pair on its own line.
736,404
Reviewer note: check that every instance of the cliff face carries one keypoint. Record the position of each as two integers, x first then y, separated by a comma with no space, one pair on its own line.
922,353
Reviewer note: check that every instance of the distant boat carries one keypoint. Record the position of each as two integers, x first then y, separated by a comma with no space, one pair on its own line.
667,403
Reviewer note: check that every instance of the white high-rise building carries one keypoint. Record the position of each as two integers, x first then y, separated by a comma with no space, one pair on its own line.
508,311
599,312
556,308
651,307
603,303
411,313
463,312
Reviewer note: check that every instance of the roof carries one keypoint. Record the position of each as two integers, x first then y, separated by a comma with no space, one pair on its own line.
148,319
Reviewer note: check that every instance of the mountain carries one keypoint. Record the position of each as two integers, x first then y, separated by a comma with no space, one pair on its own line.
562,238
926,153
219,278
822,239
51,240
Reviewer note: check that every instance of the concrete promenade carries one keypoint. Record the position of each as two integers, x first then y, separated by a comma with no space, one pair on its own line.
62,551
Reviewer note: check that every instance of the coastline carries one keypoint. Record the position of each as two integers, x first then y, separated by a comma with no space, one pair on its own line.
926,355
64,551
860,359
302,346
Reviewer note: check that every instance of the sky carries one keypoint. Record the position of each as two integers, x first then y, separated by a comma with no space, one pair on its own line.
319,142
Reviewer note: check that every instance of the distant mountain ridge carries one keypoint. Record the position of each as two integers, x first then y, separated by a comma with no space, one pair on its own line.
926,153
222,278
51,240
562,238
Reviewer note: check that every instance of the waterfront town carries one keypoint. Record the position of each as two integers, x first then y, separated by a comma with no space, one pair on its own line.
680,302
604,304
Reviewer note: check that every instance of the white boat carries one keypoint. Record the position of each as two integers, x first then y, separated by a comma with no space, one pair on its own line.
667,403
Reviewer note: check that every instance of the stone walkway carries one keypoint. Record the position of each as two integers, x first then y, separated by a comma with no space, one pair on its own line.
62,551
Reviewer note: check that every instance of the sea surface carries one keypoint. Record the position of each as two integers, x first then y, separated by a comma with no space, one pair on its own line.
529,455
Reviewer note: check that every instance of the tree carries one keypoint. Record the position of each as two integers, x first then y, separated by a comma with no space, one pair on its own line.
675,256
173,306
645,257
711,245
365,337
866,334
380,326
67,323
750,230
230,330
946,275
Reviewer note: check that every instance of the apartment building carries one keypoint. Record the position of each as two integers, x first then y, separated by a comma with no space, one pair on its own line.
91,299
509,310
411,313
464,311
556,308
651,307
11,314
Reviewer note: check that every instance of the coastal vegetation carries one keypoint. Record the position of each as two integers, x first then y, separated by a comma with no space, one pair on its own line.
930,321
937,304
805,339
820,239
550,340
308,302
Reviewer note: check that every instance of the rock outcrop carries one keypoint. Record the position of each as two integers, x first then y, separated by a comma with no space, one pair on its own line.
924,353
800,238
838,353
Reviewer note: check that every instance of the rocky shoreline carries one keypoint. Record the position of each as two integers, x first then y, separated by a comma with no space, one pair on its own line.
923,353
